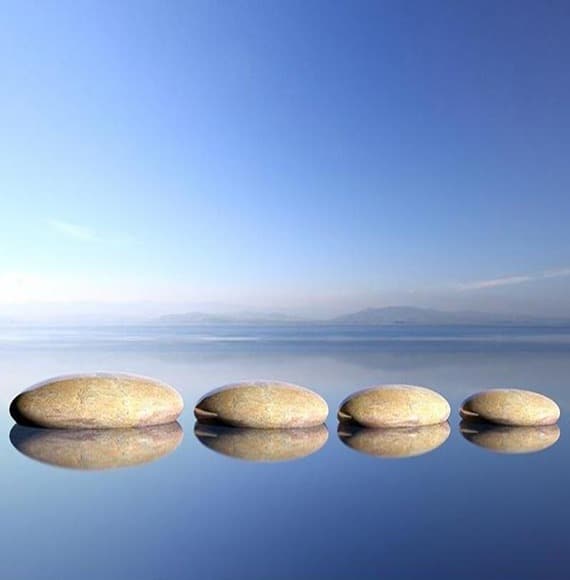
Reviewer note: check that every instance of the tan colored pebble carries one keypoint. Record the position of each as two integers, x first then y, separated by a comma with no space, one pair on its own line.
394,443
510,407
94,449
98,401
267,445
502,439
388,406
263,405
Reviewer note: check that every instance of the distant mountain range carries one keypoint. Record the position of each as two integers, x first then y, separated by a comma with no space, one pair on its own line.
428,316
388,316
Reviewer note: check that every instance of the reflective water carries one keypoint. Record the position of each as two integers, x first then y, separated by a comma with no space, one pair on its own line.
210,503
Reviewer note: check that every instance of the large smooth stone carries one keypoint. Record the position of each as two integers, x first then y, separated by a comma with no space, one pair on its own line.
510,407
263,405
266,445
97,401
93,449
502,439
394,443
388,406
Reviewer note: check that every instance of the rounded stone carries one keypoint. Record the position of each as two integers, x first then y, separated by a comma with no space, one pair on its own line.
394,443
262,405
97,401
388,406
265,445
96,449
513,407
502,439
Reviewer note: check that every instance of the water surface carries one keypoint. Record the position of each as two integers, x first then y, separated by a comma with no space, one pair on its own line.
194,511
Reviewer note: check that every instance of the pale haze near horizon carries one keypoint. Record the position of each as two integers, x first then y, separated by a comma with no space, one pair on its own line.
308,158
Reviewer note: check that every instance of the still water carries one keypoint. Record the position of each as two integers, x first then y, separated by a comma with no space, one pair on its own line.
194,511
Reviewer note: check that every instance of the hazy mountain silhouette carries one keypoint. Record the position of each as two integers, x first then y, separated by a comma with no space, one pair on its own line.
390,315
429,316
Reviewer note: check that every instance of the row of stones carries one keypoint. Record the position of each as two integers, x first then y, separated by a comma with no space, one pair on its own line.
104,400
96,449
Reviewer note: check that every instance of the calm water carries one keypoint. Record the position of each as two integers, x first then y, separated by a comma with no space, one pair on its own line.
460,511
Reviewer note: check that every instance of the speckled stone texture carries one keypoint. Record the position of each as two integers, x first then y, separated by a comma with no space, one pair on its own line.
266,445
394,443
97,401
94,449
502,439
510,407
388,406
262,405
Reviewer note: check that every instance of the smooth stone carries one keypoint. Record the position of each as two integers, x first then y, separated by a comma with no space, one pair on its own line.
394,443
502,439
510,407
265,445
263,405
97,449
97,401
388,406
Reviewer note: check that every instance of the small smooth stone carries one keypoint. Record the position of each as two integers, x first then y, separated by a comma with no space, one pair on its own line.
96,449
394,443
265,445
510,407
502,439
388,406
263,405
97,401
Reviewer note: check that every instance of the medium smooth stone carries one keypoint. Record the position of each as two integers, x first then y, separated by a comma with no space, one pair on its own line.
388,406
97,401
394,443
262,444
262,405
96,449
502,439
510,407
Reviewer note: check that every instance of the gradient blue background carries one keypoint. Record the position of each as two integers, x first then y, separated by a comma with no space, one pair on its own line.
304,156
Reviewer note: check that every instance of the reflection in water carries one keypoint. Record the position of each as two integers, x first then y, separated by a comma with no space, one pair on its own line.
262,444
502,439
396,443
92,449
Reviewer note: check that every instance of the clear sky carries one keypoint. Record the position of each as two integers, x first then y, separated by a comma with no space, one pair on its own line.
310,156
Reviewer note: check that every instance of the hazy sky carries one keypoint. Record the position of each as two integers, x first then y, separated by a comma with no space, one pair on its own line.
312,156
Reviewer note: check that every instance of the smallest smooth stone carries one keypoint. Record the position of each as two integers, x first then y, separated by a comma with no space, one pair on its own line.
515,407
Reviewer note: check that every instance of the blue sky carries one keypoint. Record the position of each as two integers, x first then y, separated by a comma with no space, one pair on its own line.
304,156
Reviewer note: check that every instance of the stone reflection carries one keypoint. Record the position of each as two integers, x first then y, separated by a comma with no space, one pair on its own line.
394,443
267,445
502,439
96,449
